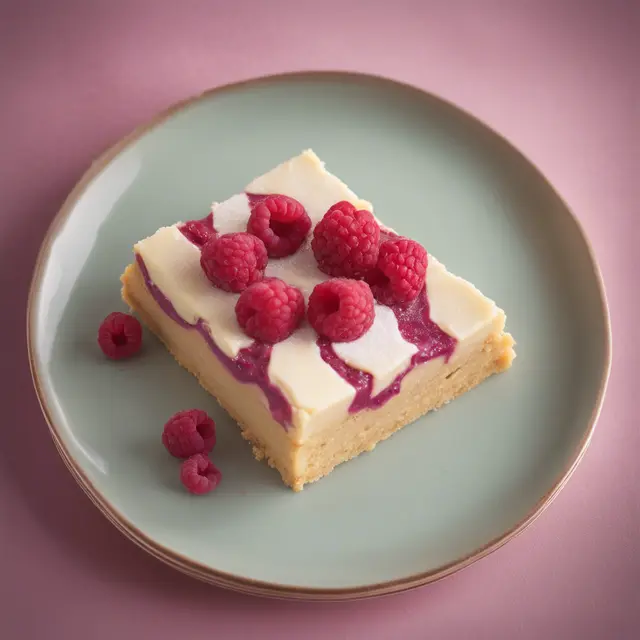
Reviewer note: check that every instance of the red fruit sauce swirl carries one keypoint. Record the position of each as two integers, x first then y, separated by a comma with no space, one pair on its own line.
251,364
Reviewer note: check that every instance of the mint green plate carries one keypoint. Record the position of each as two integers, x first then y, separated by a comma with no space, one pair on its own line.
441,493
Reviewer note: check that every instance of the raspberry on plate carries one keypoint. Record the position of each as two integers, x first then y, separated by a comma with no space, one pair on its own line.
341,309
189,432
120,336
282,223
199,231
199,475
400,273
270,310
345,242
234,261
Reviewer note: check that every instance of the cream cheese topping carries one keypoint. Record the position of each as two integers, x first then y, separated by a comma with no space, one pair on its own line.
174,266
382,351
306,179
296,366
455,305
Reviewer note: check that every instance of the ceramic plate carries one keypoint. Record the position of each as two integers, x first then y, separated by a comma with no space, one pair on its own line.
443,492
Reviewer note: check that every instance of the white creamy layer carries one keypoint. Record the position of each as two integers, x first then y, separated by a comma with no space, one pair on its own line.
307,381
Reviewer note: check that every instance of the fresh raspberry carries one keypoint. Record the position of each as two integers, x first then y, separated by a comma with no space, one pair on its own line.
120,336
281,223
189,432
400,273
340,309
345,242
270,310
199,231
234,261
199,475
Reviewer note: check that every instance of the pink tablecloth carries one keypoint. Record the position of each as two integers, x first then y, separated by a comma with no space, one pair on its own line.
557,77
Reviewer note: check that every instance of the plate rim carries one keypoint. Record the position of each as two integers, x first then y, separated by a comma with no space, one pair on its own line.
243,584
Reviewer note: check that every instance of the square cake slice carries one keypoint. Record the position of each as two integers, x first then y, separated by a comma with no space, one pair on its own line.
306,402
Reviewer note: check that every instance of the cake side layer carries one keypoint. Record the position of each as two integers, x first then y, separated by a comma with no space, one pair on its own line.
339,436
422,391
252,364
385,353
245,402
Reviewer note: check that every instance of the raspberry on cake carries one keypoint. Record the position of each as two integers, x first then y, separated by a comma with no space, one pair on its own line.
234,261
281,223
341,310
270,310
388,333
400,272
345,242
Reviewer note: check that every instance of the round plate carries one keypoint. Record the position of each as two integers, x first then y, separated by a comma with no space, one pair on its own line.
444,491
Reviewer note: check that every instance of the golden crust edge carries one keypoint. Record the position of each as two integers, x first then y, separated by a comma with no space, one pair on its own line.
500,343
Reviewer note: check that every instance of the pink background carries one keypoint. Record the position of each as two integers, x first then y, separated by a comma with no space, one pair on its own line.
556,77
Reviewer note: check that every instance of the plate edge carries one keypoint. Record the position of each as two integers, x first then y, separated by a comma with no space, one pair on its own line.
240,583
